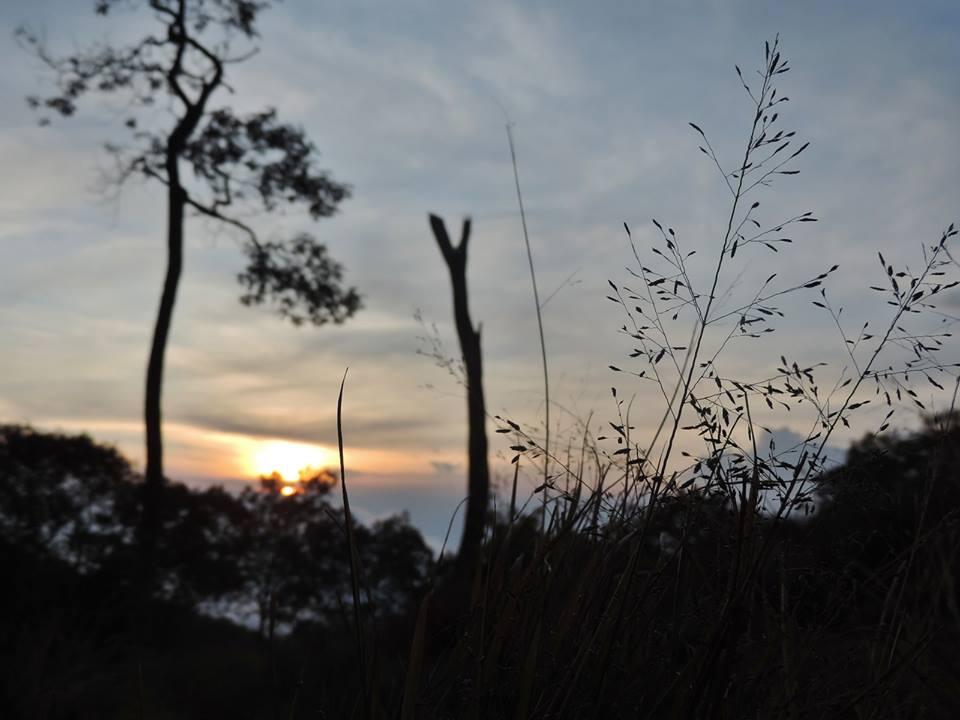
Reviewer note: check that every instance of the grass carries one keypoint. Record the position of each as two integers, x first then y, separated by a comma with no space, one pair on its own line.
653,586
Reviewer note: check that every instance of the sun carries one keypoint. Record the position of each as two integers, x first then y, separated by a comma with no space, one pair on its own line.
287,458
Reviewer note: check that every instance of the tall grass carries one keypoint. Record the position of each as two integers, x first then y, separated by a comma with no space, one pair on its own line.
652,585
538,307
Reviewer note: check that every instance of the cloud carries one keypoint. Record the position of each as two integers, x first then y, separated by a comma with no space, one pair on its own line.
444,468
402,103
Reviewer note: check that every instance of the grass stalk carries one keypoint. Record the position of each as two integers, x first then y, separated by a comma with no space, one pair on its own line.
354,558
538,308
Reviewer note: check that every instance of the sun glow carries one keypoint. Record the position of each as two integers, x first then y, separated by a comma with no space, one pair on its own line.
287,458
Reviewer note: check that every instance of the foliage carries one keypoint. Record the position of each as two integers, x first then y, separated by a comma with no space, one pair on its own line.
293,272
65,494
259,553
236,161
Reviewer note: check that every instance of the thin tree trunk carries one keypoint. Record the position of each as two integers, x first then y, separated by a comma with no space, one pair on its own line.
151,516
153,482
478,473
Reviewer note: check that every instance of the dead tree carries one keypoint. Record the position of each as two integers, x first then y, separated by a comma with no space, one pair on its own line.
478,473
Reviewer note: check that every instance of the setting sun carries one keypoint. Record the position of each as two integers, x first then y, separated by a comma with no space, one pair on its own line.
287,458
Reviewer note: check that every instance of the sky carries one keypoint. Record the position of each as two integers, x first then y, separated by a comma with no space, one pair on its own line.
407,102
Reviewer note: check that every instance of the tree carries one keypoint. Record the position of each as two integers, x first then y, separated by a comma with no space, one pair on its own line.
289,567
65,497
396,561
893,489
232,161
478,480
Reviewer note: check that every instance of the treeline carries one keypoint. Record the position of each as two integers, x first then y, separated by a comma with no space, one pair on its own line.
671,611
269,557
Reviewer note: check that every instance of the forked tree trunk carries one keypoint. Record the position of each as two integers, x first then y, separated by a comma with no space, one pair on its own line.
153,480
478,473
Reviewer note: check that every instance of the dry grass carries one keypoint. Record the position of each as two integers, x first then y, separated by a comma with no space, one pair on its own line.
651,585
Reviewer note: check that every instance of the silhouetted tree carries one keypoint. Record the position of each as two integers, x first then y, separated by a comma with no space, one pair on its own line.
287,548
199,553
231,160
65,496
478,480
893,490
288,559
396,560
70,615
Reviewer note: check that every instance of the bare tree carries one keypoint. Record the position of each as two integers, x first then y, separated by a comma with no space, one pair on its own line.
478,474
213,163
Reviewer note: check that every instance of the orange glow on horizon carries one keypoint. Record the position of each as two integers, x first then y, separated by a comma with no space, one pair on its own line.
288,490
216,456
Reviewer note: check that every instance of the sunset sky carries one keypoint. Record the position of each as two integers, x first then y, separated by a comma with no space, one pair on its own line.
405,101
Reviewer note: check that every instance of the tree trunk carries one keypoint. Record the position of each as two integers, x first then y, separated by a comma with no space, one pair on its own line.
151,514
478,474
153,481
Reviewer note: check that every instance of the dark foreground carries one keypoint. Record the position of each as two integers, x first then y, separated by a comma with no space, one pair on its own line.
682,607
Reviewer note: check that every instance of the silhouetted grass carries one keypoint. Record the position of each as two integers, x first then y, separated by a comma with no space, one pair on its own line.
660,587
